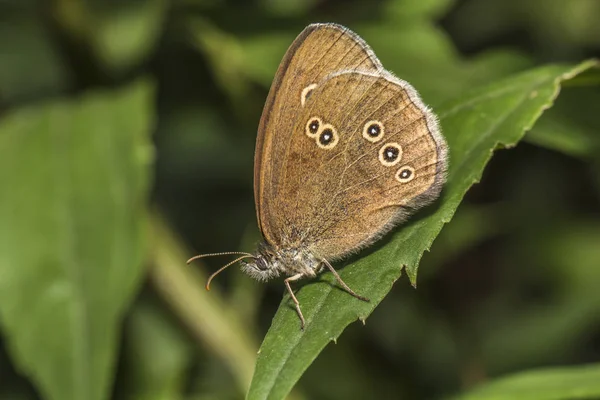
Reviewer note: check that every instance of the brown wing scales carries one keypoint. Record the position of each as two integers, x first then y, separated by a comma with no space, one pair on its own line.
306,62
346,192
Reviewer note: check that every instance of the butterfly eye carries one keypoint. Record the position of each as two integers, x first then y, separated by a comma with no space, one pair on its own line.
390,154
405,174
312,127
328,137
306,93
373,131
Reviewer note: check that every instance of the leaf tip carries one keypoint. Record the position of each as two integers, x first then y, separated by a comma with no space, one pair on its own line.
412,277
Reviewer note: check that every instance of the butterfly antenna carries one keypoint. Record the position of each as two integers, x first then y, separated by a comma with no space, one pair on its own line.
217,272
227,253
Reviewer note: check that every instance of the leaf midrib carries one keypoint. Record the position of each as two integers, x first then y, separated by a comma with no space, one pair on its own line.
299,337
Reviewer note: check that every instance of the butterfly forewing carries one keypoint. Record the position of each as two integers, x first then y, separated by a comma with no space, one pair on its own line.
319,51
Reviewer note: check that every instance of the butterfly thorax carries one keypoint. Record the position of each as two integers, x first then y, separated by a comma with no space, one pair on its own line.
270,262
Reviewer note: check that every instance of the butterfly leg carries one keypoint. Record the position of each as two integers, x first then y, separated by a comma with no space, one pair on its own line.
341,282
289,288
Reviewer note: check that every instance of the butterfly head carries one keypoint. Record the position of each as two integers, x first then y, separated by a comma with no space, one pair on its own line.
265,265
269,262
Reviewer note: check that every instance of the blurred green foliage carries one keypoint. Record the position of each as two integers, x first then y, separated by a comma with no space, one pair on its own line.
96,223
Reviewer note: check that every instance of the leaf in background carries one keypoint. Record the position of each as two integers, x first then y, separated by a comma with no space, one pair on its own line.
129,32
435,68
562,135
568,254
475,124
405,39
120,35
206,314
572,126
471,226
596,169
224,54
157,354
410,9
199,142
24,47
582,382
559,28
425,56
75,178
287,8
263,53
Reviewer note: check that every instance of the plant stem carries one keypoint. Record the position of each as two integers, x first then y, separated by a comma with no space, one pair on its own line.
206,314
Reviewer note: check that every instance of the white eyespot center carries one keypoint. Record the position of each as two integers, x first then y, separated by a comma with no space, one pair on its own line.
306,93
327,137
313,126
405,174
390,154
373,131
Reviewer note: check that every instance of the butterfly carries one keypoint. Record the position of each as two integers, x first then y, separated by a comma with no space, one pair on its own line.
345,152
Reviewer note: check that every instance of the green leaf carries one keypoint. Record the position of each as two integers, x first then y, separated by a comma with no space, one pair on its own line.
566,252
207,315
157,355
548,384
436,68
262,54
224,53
475,124
24,47
572,127
75,178
120,36
402,10
128,32
476,22
287,8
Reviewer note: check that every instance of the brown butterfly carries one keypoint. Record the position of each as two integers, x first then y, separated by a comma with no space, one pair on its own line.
345,151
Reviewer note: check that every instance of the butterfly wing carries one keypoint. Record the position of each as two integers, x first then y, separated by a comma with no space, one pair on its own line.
320,50
364,153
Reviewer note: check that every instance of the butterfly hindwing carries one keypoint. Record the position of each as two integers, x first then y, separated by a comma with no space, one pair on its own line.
339,192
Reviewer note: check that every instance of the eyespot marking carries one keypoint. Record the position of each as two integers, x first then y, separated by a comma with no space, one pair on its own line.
373,131
313,126
306,93
390,154
328,137
405,174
